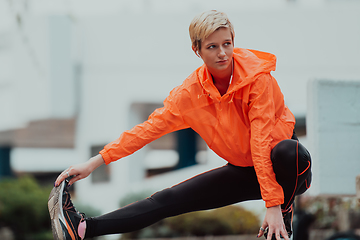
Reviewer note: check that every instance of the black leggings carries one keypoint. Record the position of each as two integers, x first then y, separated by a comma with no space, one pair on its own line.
219,187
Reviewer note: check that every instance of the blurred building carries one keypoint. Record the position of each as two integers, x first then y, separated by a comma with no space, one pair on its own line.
74,75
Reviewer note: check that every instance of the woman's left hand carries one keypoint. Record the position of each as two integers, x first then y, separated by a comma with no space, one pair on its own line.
274,221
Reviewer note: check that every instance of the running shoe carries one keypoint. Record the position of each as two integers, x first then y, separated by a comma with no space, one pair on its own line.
66,221
288,218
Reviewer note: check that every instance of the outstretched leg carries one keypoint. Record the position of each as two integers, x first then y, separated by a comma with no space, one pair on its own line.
216,188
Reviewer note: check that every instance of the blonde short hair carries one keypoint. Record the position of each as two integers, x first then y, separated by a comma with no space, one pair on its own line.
204,24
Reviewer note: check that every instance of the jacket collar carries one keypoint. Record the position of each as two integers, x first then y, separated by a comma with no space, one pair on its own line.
248,65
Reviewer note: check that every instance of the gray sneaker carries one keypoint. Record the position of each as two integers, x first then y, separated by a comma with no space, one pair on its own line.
65,219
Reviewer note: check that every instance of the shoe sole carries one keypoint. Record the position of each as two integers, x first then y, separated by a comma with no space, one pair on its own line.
56,213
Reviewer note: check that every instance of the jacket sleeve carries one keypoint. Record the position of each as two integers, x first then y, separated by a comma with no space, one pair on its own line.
262,121
162,121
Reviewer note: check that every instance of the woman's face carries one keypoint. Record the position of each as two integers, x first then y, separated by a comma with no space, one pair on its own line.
217,51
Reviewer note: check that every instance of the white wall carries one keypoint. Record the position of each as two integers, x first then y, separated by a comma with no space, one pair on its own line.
63,95
37,78
333,129
42,160
312,39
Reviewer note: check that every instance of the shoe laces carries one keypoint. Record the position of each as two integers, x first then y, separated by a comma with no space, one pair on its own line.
69,206
67,203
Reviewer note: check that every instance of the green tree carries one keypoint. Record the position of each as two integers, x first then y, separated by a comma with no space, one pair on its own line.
23,208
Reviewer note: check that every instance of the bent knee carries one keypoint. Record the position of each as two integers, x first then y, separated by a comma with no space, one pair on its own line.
285,150
290,153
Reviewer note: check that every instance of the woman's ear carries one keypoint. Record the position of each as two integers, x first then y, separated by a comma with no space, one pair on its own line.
196,51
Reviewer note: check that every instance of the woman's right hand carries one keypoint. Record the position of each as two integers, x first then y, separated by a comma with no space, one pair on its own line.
275,222
80,171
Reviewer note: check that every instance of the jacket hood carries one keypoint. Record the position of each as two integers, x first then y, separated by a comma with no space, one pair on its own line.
248,65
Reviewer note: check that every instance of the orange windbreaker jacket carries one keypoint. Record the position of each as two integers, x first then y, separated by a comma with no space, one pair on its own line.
242,126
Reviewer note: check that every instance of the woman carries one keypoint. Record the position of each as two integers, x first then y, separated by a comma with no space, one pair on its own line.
237,107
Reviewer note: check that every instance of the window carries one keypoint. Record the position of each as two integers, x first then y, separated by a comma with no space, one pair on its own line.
5,169
102,173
